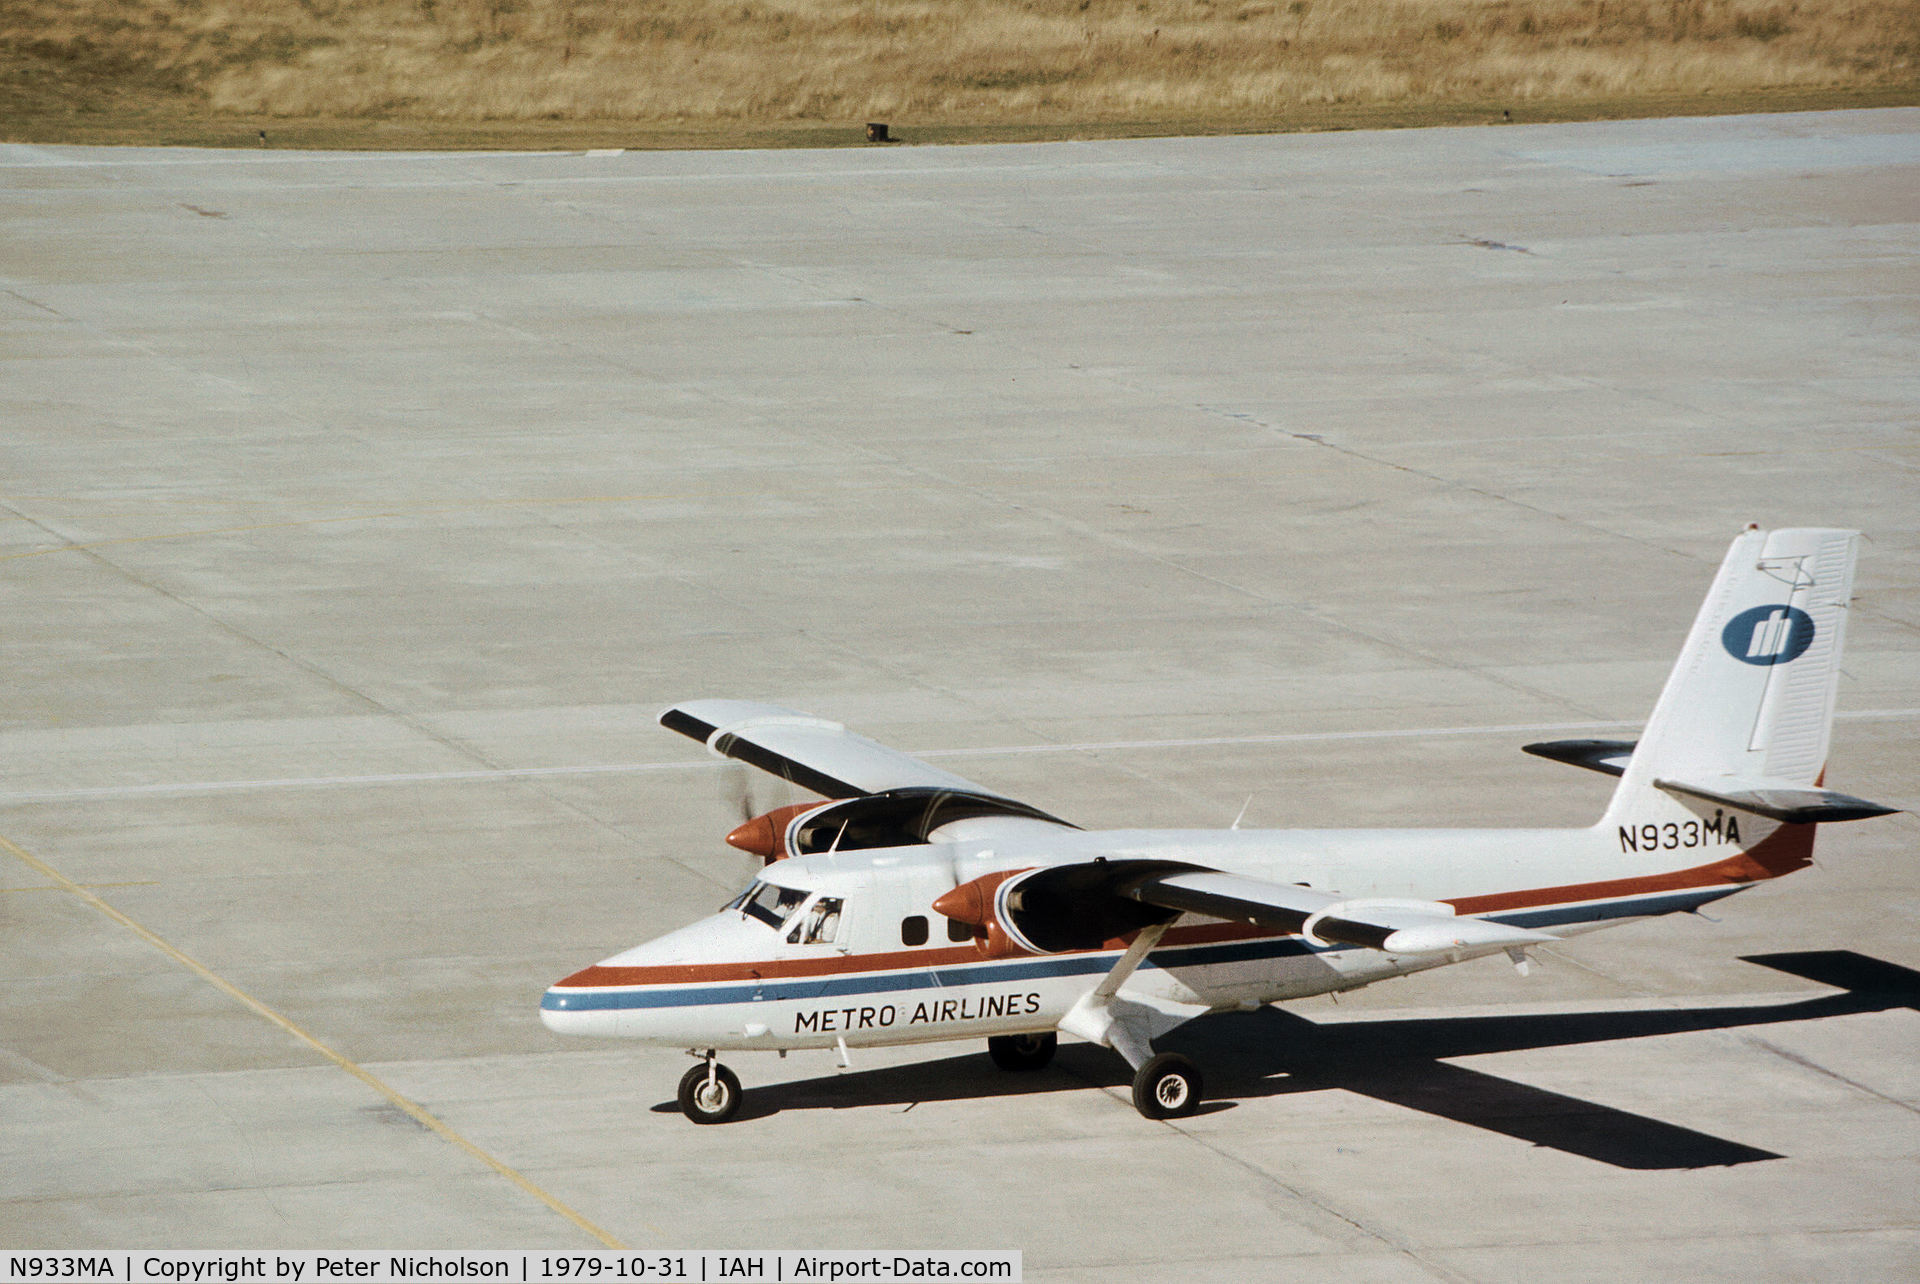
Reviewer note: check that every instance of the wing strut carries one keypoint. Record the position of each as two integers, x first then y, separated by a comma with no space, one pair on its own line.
1099,1018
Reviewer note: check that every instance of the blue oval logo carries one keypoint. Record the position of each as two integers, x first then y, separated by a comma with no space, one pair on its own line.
1768,635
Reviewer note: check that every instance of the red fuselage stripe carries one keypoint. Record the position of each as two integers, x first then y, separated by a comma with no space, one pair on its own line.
1787,849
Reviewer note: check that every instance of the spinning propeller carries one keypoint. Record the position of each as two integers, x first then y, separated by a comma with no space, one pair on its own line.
760,833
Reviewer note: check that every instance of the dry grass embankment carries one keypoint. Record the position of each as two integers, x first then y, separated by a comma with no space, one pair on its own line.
696,64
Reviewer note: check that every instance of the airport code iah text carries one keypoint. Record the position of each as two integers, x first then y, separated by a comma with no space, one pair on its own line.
159,1266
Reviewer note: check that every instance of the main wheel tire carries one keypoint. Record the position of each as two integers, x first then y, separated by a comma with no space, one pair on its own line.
707,1102
1022,1051
1167,1087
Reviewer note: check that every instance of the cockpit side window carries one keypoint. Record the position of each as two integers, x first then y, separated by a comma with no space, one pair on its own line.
819,925
770,903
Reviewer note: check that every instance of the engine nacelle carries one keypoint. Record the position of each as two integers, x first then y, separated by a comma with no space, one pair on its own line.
973,904
1073,907
1055,909
896,818
892,818
766,835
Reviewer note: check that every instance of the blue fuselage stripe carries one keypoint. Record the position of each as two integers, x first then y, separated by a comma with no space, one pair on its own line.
1046,968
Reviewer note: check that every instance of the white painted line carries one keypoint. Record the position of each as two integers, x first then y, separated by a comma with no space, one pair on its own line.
1567,1007
1287,737
324,782
172,788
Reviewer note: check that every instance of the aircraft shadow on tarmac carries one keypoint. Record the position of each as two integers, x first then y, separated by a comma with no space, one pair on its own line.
1404,1062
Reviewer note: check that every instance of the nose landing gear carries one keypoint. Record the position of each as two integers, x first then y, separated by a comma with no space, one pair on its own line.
709,1093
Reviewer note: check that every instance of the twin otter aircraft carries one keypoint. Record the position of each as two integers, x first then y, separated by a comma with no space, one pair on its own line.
913,905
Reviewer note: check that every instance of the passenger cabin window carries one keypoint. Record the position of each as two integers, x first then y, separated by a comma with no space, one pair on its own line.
771,904
958,931
818,925
913,930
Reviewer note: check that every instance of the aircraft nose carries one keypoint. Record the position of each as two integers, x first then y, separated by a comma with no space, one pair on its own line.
566,1011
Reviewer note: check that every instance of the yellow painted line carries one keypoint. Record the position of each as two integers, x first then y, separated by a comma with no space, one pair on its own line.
419,1114
216,530
55,887
287,525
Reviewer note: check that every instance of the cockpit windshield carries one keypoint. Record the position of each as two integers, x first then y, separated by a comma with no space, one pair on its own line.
769,902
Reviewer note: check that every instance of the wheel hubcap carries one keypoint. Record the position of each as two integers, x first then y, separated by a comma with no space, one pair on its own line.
1171,1092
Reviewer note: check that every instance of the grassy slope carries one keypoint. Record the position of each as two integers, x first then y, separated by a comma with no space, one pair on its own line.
556,73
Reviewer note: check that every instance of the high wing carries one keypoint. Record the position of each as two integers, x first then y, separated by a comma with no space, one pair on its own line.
1086,904
1078,906
1395,926
891,798
810,752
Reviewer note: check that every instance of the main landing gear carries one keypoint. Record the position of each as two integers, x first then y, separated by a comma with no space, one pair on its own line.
1167,1086
709,1093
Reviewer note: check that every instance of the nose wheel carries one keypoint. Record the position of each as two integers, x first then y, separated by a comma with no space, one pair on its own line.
709,1093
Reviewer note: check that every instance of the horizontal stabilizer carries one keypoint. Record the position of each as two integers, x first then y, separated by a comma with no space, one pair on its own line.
1609,756
1779,800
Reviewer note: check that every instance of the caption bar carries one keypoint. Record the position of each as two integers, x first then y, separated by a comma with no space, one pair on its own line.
706,1267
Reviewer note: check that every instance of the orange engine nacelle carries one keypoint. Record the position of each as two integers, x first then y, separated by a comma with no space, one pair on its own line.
972,904
766,836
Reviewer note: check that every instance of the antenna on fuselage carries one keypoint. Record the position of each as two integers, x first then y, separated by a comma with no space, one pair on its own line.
1243,812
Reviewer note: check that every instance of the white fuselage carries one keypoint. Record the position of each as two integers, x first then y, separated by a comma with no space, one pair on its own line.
741,980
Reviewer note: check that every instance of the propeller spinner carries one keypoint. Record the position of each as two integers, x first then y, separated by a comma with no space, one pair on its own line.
766,835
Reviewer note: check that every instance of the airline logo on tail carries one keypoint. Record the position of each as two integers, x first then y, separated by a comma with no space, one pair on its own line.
1768,635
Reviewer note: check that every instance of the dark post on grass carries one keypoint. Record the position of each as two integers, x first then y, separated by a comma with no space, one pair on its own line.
877,132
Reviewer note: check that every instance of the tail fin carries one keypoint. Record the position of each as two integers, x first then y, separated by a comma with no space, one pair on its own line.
1746,716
